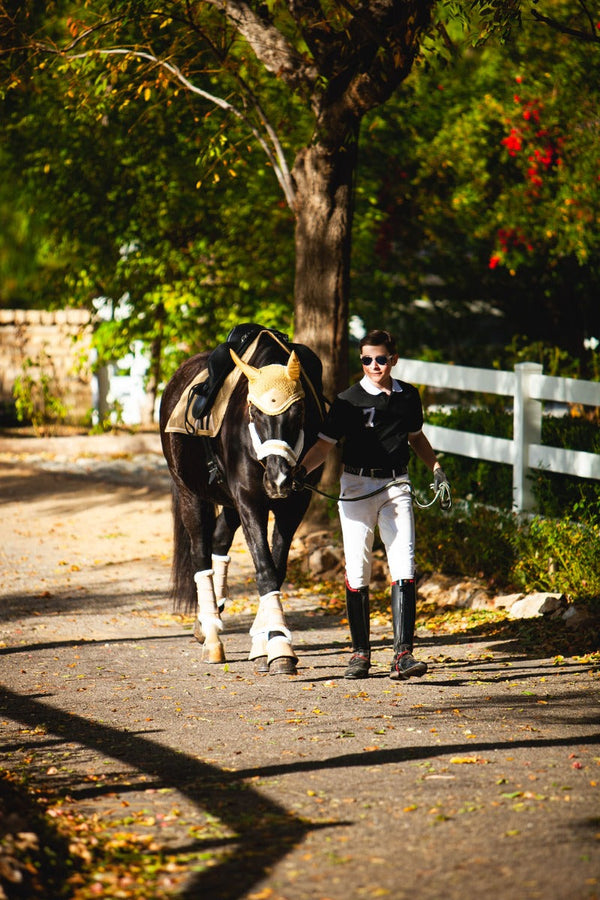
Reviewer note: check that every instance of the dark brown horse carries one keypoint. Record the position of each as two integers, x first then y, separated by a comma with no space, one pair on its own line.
272,417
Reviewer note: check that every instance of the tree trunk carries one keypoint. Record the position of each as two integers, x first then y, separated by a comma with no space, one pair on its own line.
324,181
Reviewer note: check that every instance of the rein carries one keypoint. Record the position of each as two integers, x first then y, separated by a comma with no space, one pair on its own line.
442,494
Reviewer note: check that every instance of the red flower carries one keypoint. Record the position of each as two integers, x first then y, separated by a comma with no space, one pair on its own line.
494,260
513,142
531,113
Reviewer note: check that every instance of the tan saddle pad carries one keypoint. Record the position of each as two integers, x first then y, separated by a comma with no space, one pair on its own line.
210,425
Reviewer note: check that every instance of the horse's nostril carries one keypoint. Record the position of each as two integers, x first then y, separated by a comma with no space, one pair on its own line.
279,488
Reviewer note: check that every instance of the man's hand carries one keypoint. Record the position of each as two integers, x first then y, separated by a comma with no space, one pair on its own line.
439,477
441,484
298,477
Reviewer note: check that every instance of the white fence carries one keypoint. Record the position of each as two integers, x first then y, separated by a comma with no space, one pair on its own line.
528,387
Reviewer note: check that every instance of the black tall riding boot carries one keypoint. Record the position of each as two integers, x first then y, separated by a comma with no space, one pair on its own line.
404,614
357,607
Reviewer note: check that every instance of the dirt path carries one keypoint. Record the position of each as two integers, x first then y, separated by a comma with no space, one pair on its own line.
481,779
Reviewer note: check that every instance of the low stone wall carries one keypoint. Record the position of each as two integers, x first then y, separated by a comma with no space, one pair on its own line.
58,344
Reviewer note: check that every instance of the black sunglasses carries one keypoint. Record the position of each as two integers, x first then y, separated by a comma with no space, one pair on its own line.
380,360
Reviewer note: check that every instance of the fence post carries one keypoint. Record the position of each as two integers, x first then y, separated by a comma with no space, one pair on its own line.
527,429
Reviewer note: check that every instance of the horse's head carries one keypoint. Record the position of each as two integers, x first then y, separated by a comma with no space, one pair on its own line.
275,401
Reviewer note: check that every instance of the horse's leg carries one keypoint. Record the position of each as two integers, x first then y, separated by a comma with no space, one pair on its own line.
271,639
208,624
198,517
271,647
227,524
287,517
286,522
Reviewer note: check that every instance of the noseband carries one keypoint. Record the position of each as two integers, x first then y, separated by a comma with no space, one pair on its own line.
274,446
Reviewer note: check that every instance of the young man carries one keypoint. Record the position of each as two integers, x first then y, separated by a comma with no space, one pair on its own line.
376,420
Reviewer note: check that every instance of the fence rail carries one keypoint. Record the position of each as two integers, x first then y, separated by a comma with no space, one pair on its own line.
528,387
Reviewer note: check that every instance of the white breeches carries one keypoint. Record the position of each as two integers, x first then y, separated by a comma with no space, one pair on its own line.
392,512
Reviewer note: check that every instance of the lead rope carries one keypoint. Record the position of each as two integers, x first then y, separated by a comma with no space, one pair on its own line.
442,494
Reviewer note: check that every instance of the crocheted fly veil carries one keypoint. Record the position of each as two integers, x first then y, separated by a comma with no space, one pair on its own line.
274,388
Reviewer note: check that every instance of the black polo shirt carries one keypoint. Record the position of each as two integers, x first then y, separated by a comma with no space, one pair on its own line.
373,427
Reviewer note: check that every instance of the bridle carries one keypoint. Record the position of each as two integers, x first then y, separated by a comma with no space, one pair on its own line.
274,446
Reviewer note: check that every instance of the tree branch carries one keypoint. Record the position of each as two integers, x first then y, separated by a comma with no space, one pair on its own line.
221,57
84,34
590,37
274,154
399,26
268,44
588,15
321,38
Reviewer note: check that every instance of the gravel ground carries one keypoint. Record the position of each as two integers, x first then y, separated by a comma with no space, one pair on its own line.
482,778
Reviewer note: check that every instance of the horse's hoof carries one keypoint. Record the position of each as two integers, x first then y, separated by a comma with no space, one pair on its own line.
198,633
213,653
261,666
283,665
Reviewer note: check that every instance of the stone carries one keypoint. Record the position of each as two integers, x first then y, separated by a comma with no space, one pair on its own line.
482,600
446,590
324,559
507,601
537,605
433,587
577,616
312,540
380,571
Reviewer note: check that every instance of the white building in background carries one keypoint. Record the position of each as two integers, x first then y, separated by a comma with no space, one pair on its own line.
119,391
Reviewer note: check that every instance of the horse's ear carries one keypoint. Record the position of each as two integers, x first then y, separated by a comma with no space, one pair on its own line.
249,371
293,366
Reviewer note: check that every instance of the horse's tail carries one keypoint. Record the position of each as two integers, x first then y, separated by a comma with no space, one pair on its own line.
183,587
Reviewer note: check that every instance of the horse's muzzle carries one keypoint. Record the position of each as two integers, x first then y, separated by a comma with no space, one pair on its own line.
277,481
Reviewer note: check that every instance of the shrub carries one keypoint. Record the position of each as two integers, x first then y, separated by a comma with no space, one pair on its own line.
558,550
556,495
558,555
473,540
36,395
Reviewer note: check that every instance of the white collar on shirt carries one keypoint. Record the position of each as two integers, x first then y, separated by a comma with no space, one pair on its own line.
370,388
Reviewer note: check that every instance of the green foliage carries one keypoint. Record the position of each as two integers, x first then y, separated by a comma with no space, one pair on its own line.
556,361
478,217
558,550
475,480
130,185
559,555
37,396
513,554
146,200
31,268
474,541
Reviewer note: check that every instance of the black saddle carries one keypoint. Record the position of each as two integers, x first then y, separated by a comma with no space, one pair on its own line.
202,396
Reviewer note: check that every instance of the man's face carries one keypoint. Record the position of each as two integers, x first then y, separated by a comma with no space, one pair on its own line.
379,367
